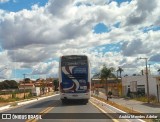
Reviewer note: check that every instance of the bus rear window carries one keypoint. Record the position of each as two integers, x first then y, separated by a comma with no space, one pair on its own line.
74,61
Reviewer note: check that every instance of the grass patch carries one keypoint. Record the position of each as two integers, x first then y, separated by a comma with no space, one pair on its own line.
14,104
152,99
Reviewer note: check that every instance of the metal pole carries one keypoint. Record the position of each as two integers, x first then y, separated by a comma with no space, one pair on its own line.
148,100
147,82
149,69
24,85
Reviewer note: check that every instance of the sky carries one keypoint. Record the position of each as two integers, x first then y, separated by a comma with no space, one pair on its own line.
35,33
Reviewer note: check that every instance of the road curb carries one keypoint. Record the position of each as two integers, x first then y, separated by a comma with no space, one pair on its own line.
5,107
118,110
115,120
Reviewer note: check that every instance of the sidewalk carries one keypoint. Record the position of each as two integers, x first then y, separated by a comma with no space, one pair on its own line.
139,106
6,105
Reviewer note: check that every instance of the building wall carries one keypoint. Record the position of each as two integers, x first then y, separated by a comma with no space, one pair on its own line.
21,95
7,96
158,87
26,87
112,86
141,80
18,95
36,91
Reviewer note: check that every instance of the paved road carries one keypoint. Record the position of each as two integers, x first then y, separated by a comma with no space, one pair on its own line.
52,108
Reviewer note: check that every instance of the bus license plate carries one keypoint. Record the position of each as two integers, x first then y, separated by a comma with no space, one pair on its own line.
83,87
75,95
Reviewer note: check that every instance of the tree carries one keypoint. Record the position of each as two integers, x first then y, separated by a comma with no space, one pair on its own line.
120,70
14,84
8,84
27,80
158,71
56,85
105,74
43,85
2,86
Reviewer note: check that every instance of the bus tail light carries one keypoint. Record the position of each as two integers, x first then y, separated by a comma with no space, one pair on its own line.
88,85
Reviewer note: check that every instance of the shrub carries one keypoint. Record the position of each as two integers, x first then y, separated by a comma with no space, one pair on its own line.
152,98
2,100
14,104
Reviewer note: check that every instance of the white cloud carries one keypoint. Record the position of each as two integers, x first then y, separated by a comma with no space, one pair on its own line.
31,37
4,1
49,69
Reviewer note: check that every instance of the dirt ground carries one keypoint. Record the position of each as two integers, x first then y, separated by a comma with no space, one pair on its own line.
3,103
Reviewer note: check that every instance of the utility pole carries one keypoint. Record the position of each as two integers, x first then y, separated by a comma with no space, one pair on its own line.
149,69
146,59
24,85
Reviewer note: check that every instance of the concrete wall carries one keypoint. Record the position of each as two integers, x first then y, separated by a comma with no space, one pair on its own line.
141,80
21,95
18,95
7,96
36,91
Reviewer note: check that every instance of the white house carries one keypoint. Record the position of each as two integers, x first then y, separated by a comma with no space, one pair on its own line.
138,83
36,91
30,86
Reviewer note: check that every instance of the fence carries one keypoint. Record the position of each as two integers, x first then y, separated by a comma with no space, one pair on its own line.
14,95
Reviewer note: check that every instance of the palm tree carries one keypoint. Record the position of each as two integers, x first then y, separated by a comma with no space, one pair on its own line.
105,74
120,70
96,75
158,71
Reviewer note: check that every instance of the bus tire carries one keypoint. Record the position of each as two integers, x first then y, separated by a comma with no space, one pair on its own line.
63,101
85,102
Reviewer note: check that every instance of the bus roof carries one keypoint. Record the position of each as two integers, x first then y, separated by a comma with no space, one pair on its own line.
73,55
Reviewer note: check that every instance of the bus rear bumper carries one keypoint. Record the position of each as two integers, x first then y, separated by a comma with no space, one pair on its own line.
74,96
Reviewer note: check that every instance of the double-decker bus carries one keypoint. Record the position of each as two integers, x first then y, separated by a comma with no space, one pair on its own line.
74,78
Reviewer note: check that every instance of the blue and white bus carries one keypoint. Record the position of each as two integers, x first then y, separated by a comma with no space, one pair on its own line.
74,78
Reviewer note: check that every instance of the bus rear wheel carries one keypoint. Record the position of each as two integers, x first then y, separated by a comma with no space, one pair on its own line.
63,101
85,101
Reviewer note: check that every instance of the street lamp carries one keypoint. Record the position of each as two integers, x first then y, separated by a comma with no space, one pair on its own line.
146,59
